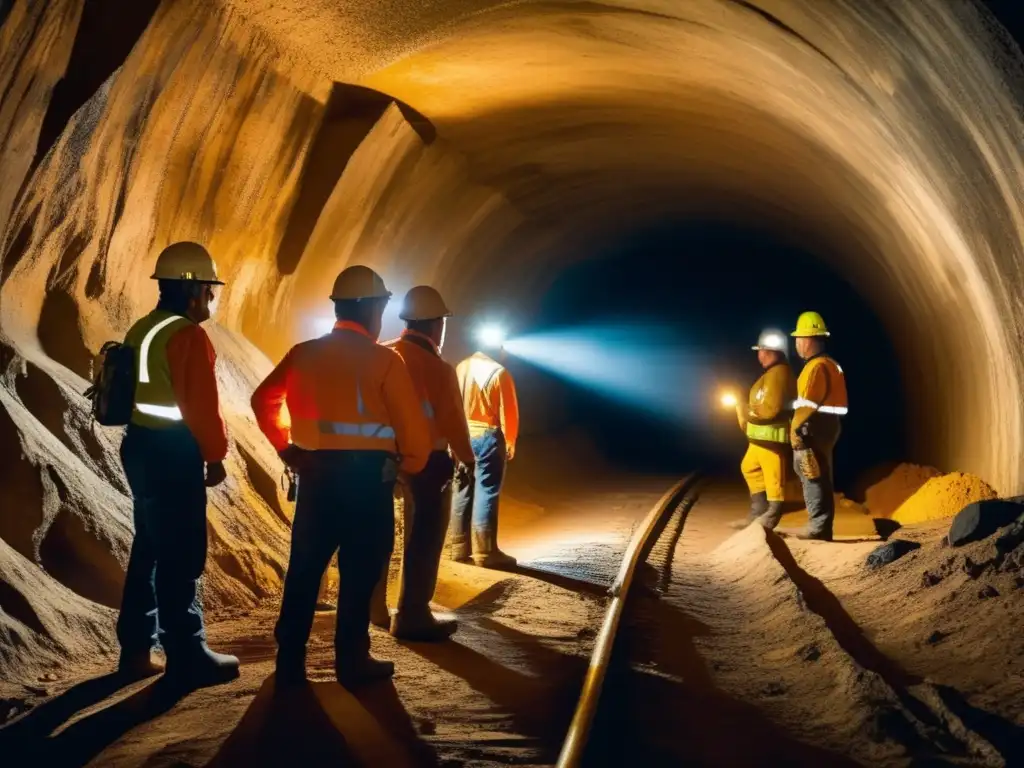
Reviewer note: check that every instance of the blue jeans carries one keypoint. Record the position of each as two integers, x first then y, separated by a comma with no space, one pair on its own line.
345,506
474,524
166,474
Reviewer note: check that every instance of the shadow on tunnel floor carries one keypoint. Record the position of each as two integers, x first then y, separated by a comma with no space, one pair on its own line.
325,724
29,740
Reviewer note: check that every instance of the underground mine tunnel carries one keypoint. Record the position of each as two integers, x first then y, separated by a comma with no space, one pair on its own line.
627,187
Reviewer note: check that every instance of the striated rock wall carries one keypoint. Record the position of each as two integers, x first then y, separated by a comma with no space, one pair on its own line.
200,133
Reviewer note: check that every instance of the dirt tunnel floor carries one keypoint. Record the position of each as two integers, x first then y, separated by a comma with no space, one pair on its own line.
501,693
760,651
766,650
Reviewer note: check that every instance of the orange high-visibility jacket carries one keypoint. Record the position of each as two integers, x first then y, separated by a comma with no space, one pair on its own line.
438,388
346,392
821,391
489,397
176,381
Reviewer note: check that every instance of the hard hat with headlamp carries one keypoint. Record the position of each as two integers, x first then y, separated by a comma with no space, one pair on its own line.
357,283
423,303
186,261
771,340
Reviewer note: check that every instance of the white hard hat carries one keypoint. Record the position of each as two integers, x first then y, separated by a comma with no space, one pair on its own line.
186,261
359,282
423,303
772,340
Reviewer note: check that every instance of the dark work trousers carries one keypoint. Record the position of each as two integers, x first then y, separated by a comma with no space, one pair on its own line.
819,492
428,506
166,473
475,503
344,506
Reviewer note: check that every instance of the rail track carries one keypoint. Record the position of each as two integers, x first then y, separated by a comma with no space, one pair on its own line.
654,534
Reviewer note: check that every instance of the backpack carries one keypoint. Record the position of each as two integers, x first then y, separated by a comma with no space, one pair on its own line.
113,385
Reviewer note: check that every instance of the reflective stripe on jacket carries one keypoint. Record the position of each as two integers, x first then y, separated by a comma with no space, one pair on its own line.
821,391
438,389
768,411
343,391
489,397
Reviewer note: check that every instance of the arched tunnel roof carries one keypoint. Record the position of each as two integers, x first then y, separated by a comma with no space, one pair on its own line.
886,140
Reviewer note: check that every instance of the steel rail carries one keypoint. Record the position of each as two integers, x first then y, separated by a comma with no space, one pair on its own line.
639,548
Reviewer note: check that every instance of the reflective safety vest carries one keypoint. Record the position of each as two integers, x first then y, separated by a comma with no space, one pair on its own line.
476,375
821,389
328,407
155,404
440,443
770,399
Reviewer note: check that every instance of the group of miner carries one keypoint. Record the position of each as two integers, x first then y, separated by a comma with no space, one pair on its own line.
353,420
793,421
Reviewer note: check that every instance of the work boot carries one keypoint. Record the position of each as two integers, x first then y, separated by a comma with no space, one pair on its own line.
364,671
198,666
496,560
290,669
772,517
428,629
758,506
138,665
820,536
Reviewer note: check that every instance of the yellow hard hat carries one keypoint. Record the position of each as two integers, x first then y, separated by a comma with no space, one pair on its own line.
423,303
186,261
359,282
810,324
771,340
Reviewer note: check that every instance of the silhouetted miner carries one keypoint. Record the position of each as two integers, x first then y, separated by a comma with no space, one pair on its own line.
172,452
427,503
354,422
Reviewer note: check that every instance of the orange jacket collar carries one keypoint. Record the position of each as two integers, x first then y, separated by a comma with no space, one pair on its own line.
348,325
417,334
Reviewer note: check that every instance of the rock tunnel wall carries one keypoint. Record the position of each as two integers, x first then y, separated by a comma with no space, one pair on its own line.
884,134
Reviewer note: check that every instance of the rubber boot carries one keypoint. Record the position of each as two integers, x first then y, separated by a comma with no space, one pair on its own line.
772,517
138,665
364,671
422,629
198,666
758,507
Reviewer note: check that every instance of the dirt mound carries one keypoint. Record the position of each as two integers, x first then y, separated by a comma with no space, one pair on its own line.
885,497
942,497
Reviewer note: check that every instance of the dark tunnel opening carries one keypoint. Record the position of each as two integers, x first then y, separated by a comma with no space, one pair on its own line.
674,310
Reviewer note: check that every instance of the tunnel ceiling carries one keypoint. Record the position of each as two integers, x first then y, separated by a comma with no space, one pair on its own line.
852,128
882,137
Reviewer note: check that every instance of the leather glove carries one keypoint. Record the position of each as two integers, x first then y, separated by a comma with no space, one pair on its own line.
215,474
293,457
808,463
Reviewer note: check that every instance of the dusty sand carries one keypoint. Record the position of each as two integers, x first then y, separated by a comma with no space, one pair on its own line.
767,651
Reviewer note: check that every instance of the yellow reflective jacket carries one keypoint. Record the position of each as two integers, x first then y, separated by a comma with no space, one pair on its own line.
766,417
